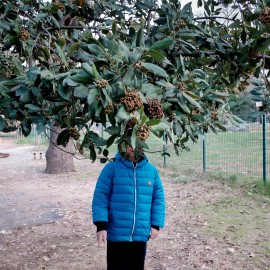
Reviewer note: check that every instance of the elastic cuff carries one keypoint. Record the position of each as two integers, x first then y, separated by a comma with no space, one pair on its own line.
155,227
101,225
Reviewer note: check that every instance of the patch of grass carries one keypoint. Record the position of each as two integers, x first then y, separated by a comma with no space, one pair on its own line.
236,219
29,140
182,179
238,181
260,187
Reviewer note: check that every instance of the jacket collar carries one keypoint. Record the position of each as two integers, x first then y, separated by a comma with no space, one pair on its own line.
129,163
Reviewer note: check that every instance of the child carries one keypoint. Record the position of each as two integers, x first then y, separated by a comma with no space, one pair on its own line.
128,209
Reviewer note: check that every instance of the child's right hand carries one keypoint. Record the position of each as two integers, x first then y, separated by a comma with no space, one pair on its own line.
101,237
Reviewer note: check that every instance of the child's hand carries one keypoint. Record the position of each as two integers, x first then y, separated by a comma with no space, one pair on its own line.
154,233
101,237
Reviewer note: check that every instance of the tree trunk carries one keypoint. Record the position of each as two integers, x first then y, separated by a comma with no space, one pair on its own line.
59,161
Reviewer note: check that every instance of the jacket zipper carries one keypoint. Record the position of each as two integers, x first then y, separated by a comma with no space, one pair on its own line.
135,201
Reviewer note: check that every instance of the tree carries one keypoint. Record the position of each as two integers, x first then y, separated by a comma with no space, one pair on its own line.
59,158
144,67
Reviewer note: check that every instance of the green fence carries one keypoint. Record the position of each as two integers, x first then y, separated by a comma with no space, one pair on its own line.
235,153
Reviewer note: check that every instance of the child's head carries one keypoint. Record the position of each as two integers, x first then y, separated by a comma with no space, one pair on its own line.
130,153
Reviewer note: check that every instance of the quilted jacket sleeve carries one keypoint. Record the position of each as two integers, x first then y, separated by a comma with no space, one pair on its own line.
158,203
102,194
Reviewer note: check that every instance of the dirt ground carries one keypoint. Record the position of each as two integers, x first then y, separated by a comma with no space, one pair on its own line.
45,221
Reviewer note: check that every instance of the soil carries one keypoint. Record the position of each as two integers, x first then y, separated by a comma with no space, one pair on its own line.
45,221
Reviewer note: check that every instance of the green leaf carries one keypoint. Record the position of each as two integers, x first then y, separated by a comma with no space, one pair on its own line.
63,138
4,102
122,114
63,92
160,127
156,55
69,82
32,107
104,91
55,22
81,91
61,54
186,9
95,72
93,154
155,70
92,96
237,119
192,101
129,76
235,24
111,140
152,122
105,152
162,44
2,123
83,78
45,74
178,130
87,68
114,27
95,49
98,141
221,127
190,133
103,160
140,37
113,130
134,136
26,127
182,103
262,44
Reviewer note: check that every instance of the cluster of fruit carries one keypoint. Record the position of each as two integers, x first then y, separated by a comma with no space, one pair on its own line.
102,83
181,24
24,35
265,17
109,108
253,54
143,132
181,87
154,108
59,5
131,101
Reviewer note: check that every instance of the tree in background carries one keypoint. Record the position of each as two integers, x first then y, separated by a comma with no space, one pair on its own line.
140,68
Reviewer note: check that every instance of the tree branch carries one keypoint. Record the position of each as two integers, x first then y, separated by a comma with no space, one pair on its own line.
74,155
213,17
148,21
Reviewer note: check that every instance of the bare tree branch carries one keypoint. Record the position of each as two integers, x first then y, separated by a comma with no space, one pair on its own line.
213,17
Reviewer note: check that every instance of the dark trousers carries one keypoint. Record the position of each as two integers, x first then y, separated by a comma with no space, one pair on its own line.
126,255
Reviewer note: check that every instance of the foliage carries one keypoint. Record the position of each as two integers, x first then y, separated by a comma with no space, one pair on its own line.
73,63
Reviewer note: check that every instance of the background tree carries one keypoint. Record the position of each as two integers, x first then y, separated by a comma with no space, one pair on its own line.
138,67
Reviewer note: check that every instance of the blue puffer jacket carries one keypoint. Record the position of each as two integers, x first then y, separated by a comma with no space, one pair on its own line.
130,199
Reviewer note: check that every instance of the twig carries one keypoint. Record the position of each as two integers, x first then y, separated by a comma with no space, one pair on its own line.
61,148
212,18
148,21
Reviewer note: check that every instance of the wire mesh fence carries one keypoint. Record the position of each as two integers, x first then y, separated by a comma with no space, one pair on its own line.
236,153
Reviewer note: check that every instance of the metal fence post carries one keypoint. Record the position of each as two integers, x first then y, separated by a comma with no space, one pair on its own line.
264,148
204,153
164,150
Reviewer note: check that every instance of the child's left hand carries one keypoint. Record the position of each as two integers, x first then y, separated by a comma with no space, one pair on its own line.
154,233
